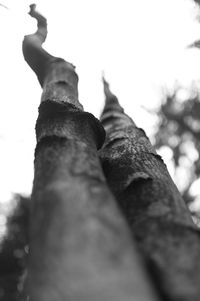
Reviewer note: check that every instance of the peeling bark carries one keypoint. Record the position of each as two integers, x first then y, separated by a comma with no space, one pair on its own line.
80,246
158,217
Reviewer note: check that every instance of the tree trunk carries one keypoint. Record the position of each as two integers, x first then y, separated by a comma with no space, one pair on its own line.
158,217
80,247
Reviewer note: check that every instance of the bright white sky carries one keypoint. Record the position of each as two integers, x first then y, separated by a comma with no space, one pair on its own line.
141,46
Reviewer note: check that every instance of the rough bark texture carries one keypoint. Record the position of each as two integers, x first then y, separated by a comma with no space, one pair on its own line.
80,247
158,217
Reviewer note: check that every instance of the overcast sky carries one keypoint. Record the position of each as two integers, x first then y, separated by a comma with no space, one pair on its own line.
140,45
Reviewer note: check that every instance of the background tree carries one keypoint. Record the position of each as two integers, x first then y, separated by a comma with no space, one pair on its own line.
179,129
14,250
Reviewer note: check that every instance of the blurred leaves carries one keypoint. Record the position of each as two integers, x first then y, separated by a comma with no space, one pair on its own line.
13,252
179,130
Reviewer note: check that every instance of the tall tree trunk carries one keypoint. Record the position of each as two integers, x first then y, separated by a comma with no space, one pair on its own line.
156,213
80,247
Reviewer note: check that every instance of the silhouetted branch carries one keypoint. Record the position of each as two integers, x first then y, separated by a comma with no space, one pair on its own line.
37,58
197,1
196,44
41,32
2,5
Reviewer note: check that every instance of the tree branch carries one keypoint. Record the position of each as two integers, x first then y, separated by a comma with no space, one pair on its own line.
36,57
158,217
4,6
41,32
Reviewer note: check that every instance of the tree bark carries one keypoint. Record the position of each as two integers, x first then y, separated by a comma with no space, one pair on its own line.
158,217
80,246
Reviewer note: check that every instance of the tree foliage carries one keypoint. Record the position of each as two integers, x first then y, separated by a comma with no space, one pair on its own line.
179,130
13,251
